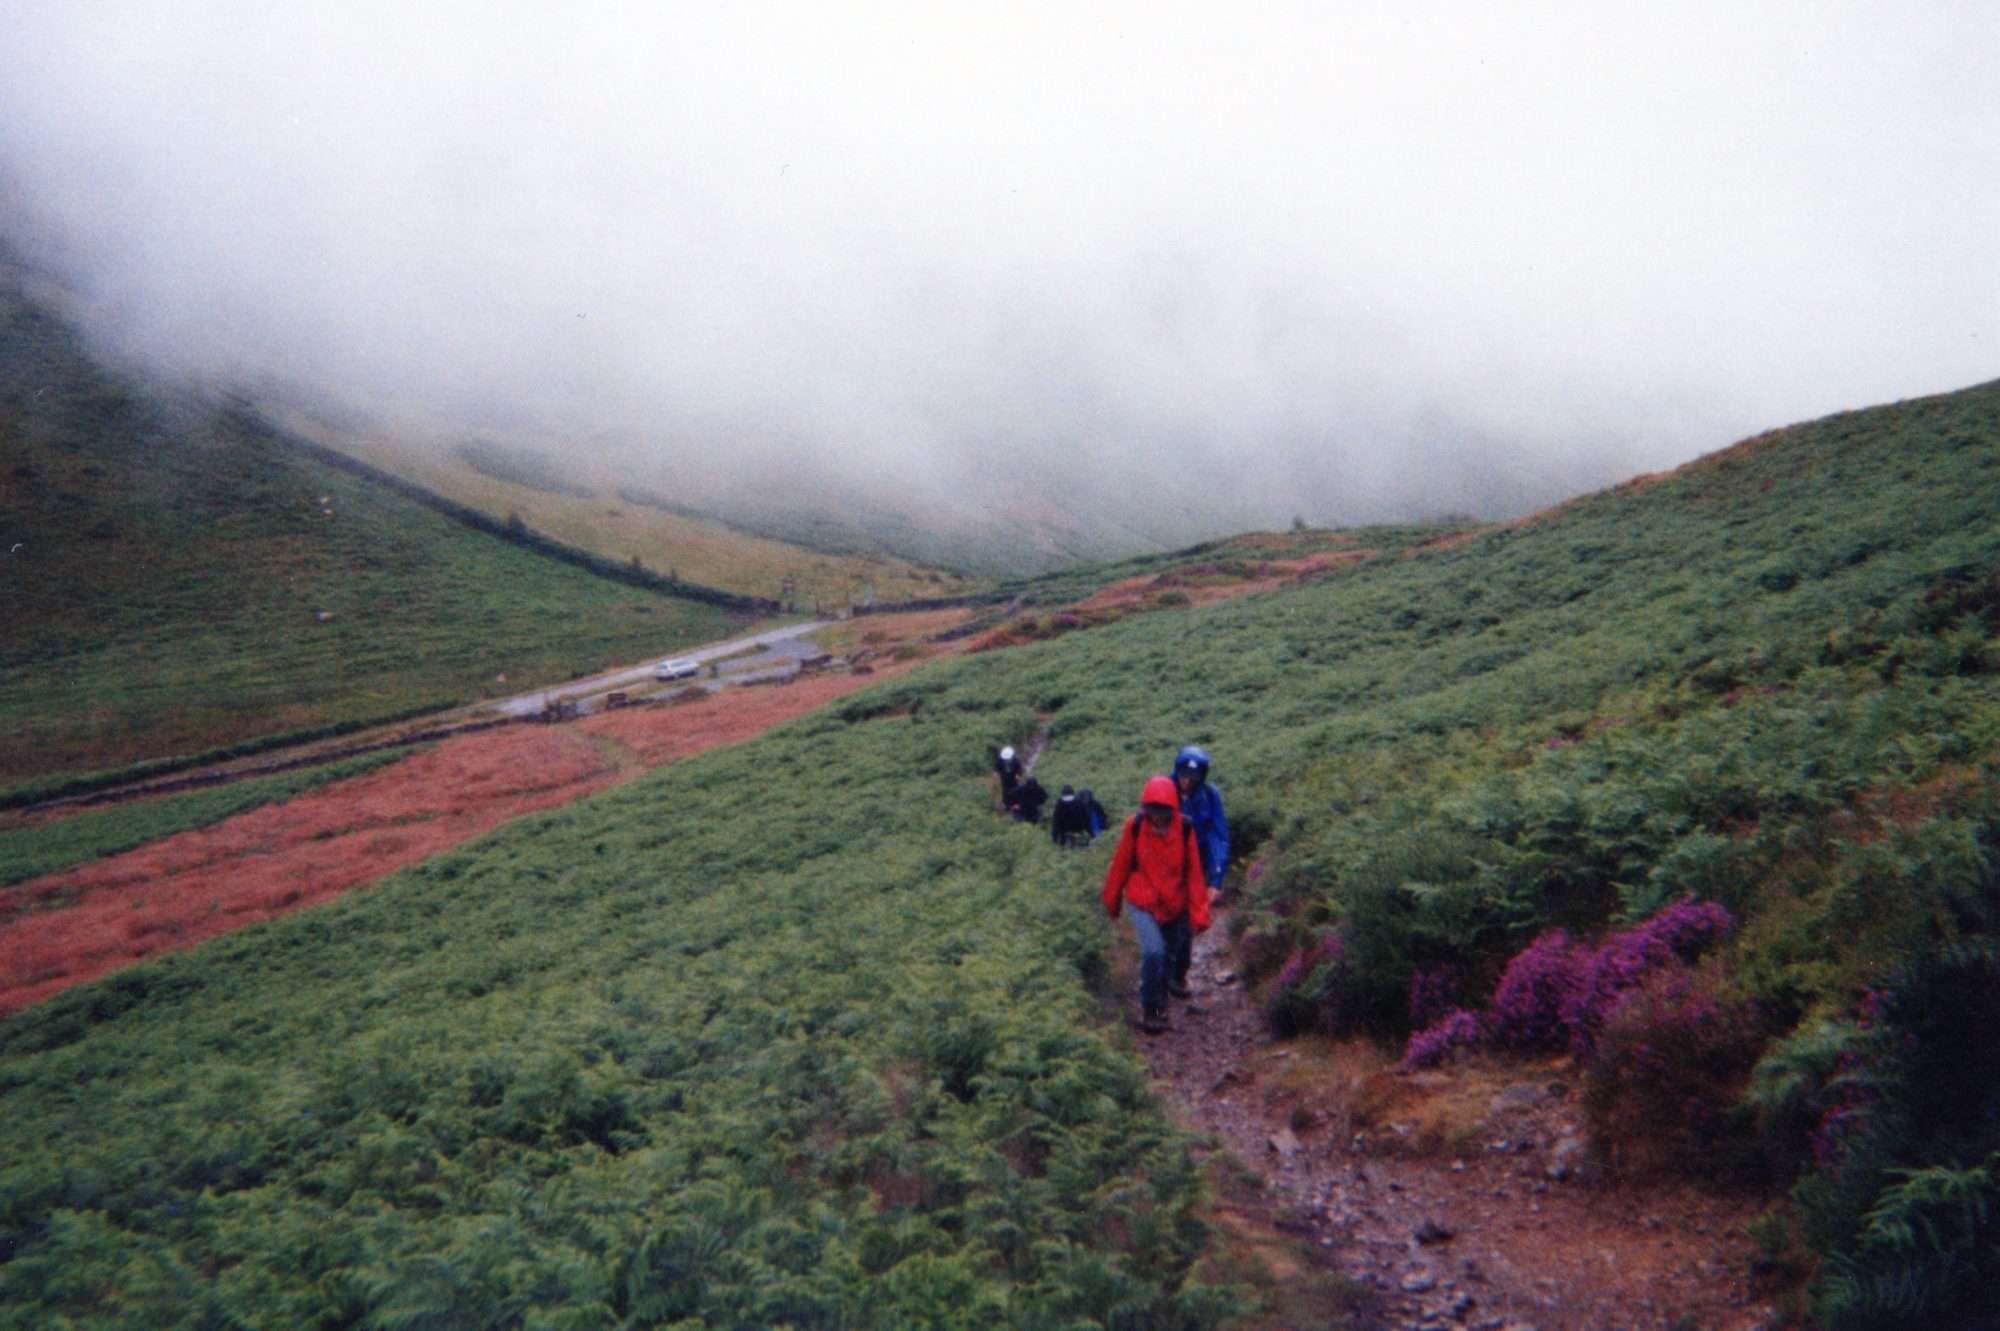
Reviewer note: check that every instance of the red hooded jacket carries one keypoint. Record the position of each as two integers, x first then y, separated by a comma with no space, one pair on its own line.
1158,872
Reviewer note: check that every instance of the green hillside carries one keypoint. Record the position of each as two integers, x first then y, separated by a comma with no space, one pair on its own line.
824,1045
178,578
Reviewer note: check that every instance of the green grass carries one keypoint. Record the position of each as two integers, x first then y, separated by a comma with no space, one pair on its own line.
185,579
35,849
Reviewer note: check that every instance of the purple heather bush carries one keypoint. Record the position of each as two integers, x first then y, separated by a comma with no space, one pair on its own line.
1434,993
1306,994
1530,999
1458,1030
1678,932
1669,1059
1559,991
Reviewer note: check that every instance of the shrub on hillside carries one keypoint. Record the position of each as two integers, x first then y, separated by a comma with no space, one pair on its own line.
1434,994
1534,990
1665,1070
1261,946
1306,995
1457,1031
1681,931
1801,1089
1558,991
1904,1205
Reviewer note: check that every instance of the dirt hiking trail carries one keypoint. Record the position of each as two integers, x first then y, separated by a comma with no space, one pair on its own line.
1511,1230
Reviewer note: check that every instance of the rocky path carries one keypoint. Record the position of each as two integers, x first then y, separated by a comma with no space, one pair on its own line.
1509,1229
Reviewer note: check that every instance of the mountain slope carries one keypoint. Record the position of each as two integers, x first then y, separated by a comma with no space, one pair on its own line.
844,1063
178,577
622,513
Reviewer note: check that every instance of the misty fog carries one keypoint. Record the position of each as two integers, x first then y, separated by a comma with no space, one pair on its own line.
1180,268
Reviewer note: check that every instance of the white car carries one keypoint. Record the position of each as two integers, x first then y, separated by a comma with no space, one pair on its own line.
678,668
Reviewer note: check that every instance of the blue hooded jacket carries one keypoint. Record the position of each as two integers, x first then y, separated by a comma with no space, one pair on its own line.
1202,807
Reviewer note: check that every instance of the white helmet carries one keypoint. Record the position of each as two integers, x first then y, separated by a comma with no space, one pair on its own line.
1007,753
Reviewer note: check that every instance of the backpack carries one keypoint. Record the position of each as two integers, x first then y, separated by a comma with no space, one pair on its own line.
1093,813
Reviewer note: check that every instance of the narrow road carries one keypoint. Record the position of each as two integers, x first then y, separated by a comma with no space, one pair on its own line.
532,704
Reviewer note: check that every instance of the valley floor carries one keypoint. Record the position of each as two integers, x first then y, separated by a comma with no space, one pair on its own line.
68,928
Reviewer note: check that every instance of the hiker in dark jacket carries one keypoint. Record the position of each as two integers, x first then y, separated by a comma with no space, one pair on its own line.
1027,802
1156,873
1201,805
1007,767
1069,821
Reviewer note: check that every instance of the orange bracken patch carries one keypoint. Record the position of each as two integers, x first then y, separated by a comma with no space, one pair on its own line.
79,925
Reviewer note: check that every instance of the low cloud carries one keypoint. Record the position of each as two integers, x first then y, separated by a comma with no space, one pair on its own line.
1208,269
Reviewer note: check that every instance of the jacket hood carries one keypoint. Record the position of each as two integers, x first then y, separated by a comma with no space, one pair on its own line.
1192,758
1161,790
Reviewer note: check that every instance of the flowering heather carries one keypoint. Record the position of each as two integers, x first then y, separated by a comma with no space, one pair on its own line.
1434,994
1529,1001
1559,990
1297,1003
1668,1060
1854,1090
1680,931
1689,926
1305,960
1431,1046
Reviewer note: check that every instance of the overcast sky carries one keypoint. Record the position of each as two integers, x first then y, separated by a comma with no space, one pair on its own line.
1345,259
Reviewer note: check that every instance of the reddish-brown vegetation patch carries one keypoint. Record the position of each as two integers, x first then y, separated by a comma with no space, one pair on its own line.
70,927
1204,584
1448,540
1873,812
67,928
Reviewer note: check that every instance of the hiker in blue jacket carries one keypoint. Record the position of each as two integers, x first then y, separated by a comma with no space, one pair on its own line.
1201,805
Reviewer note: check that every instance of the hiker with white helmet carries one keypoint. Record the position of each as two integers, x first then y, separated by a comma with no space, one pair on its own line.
1007,766
1201,805
1156,874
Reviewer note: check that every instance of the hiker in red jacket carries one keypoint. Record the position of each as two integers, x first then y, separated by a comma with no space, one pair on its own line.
1156,871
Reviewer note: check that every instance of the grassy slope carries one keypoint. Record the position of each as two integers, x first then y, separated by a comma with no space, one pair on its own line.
173,563
643,1060
596,517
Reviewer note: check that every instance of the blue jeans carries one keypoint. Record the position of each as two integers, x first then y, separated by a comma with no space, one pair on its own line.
1164,952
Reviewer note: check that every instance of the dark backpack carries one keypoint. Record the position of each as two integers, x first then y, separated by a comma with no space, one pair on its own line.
1069,821
1093,813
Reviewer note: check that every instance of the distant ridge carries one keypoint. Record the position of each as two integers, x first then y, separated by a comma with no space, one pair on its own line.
517,533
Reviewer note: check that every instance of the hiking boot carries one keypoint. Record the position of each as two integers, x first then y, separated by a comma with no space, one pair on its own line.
1179,989
1153,1023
